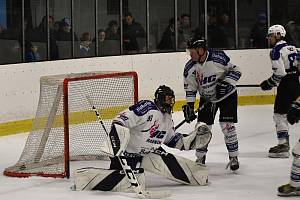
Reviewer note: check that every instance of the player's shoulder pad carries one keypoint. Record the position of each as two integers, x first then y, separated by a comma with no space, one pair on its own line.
188,66
218,56
275,53
142,107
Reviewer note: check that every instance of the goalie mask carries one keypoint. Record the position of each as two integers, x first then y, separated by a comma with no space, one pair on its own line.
164,99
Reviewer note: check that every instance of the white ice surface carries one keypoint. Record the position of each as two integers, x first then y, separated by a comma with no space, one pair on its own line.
258,177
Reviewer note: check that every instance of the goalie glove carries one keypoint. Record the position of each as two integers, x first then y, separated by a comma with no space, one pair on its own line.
293,115
188,111
223,88
267,84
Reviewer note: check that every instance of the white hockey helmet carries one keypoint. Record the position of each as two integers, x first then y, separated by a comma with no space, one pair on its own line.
275,29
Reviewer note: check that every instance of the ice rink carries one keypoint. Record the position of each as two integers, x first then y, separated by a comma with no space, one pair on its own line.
257,178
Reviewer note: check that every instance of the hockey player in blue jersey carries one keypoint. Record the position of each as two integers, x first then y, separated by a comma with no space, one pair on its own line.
285,77
293,116
147,125
212,75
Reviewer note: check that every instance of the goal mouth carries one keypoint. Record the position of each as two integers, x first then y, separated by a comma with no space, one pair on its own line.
65,127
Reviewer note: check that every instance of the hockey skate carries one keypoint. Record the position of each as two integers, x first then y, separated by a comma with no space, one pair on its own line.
288,190
233,163
279,151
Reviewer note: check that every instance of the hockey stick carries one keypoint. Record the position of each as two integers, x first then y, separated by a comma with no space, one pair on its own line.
200,108
183,121
211,101
255,85
141,193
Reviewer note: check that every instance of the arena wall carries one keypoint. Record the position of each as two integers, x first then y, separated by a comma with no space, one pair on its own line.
19,83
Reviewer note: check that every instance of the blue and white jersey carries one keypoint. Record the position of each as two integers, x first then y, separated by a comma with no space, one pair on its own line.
283,60
149,127
204,77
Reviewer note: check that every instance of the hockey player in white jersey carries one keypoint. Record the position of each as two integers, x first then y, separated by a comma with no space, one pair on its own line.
213,75
148,125
284,75
293,116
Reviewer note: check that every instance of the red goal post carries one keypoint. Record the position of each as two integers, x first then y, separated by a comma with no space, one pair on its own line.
65,127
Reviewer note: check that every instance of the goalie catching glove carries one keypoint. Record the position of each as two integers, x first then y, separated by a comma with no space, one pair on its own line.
197,139
293,115
188,111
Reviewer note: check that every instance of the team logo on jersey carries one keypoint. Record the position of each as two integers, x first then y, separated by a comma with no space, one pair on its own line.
206,80
155,134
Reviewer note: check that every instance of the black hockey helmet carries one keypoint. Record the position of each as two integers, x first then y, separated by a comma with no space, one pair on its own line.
196,42
164,98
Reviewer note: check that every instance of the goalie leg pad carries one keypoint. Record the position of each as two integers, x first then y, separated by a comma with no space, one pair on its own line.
175,168
105,179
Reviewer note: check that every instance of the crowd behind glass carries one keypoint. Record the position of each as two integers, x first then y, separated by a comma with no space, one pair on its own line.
38,30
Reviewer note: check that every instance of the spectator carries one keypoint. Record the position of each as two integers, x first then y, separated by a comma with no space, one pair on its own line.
112,31
40,35
85,44
258,33
226,29
65,31
31,52
56,26
292,36
213,33
101,36
132,31
184,31
168,38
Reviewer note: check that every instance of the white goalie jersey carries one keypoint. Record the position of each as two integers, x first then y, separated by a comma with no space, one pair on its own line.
204,77
149,127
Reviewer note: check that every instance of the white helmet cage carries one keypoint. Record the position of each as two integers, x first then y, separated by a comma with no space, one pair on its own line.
275,29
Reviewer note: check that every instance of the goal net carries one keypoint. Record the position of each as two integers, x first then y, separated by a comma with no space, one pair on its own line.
65,127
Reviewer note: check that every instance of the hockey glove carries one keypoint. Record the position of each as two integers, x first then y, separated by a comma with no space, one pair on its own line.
293,115
188,111
267,84
223,88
